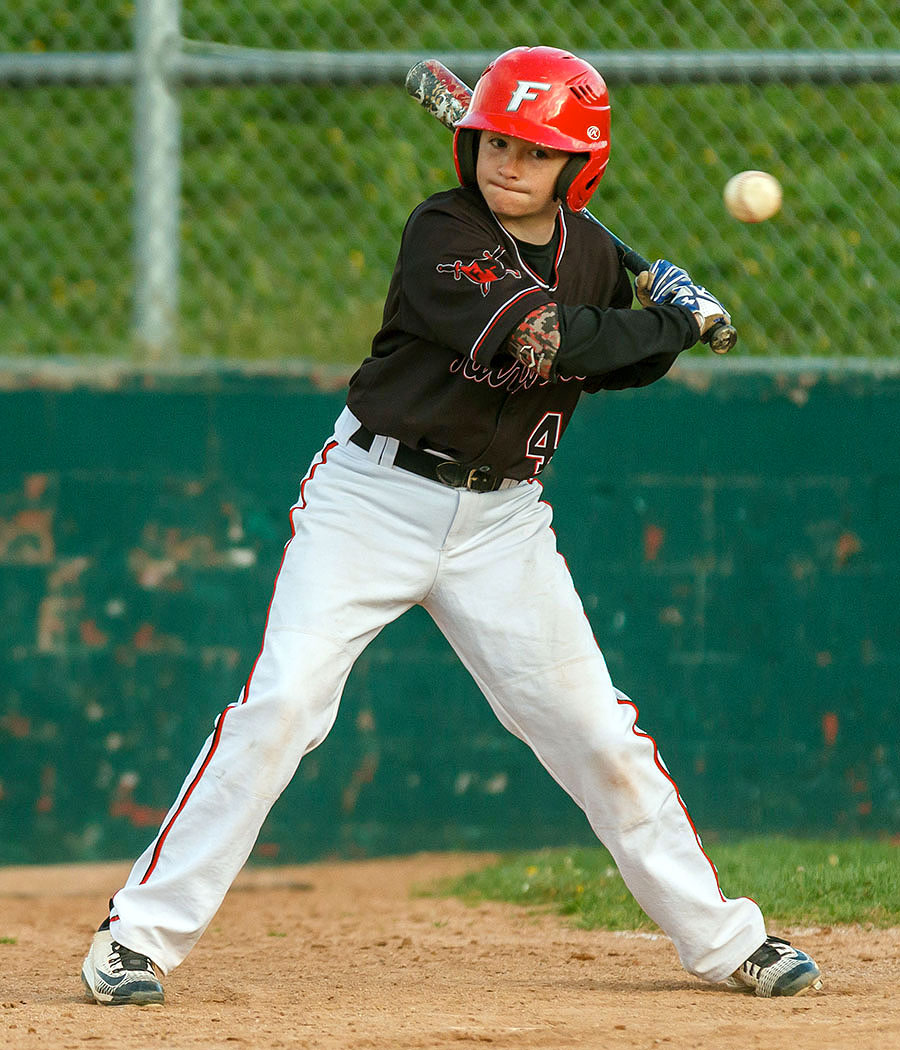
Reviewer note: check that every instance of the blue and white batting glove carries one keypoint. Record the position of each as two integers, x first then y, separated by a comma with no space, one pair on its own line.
705,307
667,284
657,285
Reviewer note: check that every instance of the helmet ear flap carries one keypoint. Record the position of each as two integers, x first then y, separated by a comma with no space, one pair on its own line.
573,168
465,154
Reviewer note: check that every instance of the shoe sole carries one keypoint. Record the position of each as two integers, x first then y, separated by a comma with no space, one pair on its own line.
139,998
747,989
814,985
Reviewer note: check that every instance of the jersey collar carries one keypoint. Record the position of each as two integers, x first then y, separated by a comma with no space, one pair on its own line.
561,247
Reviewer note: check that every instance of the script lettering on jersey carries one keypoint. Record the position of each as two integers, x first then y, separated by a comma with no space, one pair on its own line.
513,375
484,271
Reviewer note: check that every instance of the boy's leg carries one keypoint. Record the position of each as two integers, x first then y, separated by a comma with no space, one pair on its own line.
343,576
507,604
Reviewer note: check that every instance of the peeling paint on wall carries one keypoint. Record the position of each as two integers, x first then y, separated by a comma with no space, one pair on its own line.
744,591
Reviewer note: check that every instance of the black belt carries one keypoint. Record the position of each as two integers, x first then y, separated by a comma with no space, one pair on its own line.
446,471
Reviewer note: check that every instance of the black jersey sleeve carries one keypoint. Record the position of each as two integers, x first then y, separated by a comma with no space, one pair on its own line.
462,286
617,348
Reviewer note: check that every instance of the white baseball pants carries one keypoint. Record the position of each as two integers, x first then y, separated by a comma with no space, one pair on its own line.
368,542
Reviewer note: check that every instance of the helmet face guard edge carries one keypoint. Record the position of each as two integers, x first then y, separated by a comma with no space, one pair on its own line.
547,96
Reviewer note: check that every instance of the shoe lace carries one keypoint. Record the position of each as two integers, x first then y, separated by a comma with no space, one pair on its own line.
769,952
128,959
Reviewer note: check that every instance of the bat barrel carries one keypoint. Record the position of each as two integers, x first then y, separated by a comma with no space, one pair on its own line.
439,91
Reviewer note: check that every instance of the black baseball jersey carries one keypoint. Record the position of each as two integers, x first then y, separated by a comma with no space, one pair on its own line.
438,377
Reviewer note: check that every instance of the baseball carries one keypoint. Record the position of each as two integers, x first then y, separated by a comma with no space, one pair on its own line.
752,196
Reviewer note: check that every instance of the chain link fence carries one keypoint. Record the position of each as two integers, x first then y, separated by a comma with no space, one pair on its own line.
293,194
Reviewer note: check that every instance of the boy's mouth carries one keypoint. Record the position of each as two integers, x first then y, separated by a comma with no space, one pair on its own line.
508,187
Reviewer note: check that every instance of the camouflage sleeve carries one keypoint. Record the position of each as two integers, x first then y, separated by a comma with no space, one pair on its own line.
535,340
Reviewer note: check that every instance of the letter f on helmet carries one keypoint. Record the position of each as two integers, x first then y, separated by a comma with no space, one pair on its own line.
525,89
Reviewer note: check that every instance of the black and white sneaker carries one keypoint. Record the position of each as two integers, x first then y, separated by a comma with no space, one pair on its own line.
115,975
775,968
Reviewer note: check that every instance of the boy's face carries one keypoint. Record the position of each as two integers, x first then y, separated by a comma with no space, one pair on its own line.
517,179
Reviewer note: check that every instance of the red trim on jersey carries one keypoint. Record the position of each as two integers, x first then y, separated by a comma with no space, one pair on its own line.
492,324
563,233
220,721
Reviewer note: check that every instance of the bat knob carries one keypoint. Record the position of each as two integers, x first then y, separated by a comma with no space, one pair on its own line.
721,337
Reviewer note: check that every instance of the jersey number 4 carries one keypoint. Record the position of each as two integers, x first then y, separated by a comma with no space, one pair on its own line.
544,439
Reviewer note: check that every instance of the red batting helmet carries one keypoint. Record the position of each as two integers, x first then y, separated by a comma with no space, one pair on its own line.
547,96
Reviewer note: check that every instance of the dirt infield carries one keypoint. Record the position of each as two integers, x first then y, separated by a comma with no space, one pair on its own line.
342,956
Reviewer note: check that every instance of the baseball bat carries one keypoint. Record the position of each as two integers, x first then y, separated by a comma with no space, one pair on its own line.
446,98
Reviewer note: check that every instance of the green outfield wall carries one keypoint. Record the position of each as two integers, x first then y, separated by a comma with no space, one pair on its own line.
734,536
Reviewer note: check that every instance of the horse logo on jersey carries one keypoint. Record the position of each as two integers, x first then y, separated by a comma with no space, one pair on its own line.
483,271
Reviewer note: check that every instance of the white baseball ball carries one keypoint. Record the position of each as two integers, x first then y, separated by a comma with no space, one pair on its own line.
752,196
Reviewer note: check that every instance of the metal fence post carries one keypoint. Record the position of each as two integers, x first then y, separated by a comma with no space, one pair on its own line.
157,177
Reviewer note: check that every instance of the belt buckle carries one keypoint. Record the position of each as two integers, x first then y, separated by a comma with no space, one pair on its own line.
458,476
479,480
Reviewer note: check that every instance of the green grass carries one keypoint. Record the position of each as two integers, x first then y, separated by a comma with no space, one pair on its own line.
294,197
796,882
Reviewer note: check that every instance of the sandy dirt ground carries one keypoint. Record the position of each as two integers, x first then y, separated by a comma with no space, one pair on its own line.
347,956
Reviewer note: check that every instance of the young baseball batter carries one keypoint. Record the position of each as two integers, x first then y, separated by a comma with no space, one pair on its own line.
505,306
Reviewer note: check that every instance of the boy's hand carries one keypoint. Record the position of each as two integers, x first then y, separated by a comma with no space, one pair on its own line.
705,307
657,285
665,283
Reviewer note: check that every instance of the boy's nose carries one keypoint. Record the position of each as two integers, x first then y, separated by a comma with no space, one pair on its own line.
509,165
